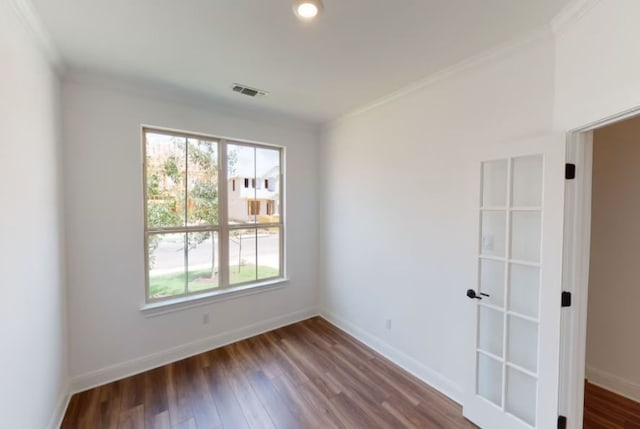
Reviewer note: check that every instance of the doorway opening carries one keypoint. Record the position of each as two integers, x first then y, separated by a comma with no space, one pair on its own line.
600,348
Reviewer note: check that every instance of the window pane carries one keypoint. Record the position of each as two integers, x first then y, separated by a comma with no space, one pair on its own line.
527,181
490,329
242,184
166,265
521,395
202,186
526,228
268,253
242,256
268,184
523,343
494,226
492,281
494,183
203,261
489,379
524,286
165,175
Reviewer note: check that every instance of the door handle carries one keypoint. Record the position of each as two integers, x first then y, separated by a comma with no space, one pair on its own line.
473,295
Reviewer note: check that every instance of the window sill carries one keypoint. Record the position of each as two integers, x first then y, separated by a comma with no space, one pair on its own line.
183,303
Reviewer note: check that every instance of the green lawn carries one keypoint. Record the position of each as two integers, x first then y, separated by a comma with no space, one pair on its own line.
173,284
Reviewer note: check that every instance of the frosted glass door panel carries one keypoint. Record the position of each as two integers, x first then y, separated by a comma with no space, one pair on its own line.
521,396
523,343
490,379
494,183
525,235
524,286
508,367
491,331
527,181
492,281
493,240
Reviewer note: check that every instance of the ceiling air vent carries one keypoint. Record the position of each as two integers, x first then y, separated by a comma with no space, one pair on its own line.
247,90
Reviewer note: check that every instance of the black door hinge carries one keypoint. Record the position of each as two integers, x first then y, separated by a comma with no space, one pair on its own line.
562,422
569,171
566,299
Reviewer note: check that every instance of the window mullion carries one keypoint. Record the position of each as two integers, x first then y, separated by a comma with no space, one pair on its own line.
281,214
186,213
257,203
223,235
145,196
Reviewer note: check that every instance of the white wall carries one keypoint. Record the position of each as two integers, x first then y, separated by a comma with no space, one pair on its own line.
109,335
613,345
32,308
410,256
597,63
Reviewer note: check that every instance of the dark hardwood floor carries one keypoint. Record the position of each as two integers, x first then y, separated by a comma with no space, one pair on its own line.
606,410
307,375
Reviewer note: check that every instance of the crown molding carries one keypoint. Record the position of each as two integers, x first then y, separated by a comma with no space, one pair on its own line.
573,12
503,50
33,24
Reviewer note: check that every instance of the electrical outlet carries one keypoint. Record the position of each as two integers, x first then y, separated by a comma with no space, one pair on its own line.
205,318
388,324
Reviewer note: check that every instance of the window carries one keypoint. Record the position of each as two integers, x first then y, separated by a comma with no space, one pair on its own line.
253,207
199,236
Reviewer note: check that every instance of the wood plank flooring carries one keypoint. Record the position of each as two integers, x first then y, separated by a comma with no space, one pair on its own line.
606,410
307,375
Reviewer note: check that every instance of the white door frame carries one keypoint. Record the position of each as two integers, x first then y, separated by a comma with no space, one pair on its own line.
575,273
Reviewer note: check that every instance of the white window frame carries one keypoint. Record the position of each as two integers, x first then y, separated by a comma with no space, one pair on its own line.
223,228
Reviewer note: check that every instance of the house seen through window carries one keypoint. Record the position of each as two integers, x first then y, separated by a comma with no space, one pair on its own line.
202,232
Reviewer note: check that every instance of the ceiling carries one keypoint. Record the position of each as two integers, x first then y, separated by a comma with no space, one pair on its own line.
356,52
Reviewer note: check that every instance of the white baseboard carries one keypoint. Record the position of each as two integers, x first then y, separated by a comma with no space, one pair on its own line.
614,383
125,369
406,362
61,407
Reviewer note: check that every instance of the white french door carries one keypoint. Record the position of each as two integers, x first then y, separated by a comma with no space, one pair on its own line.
516,299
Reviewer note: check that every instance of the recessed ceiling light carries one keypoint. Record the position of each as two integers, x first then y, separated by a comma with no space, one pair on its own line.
307,9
